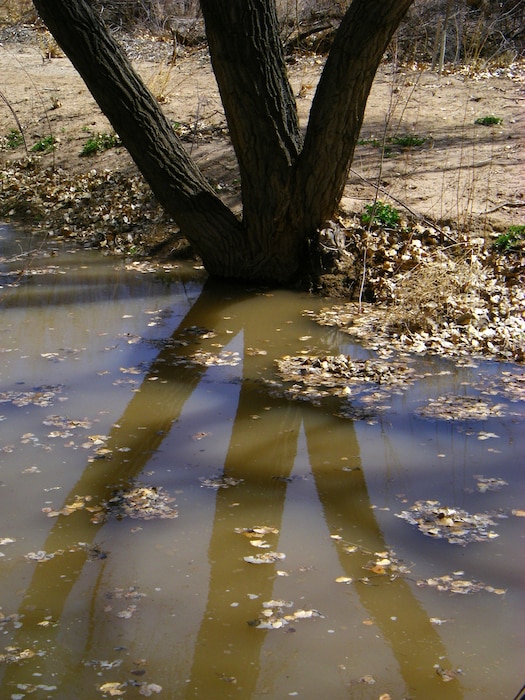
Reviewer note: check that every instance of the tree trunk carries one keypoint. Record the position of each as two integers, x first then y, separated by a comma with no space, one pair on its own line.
135,115
338,108
288,189
248,61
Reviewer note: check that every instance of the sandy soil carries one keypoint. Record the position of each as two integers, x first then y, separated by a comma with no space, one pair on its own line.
466,175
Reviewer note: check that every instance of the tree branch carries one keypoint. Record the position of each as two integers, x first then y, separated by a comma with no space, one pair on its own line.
338,107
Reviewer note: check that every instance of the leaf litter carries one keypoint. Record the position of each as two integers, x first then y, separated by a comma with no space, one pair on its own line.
387,567
460,408
140,502
369,382
489,483
274,615
453,524
265,558
455,583
39,396
219,482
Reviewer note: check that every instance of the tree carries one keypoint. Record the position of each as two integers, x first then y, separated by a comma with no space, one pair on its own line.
290,184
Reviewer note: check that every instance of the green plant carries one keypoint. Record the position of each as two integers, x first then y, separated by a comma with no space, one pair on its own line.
510,240
407,140
381,214
489,120
98,143
45,145
404,140
13,139
376,143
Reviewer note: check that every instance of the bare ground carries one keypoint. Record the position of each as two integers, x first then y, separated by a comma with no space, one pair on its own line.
464,174
464,180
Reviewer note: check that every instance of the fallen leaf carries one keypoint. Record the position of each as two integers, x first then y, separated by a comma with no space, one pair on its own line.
112,688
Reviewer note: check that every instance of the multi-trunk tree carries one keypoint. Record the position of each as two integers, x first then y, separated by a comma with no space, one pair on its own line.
291,181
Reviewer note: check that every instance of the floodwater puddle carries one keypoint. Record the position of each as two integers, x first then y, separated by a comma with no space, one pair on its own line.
206,494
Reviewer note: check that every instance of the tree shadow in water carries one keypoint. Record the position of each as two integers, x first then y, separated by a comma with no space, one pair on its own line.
259,450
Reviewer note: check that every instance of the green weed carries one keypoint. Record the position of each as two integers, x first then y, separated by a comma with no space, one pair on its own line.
98,143
408,140
489,120
45,145
380,214
13,139
511,240
403,140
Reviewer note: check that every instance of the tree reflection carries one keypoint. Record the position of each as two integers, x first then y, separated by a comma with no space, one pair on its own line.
227,656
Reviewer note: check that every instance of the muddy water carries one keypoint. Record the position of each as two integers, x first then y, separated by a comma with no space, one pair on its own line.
103,399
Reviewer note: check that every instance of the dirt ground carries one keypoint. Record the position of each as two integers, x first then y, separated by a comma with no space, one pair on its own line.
465,175
438,283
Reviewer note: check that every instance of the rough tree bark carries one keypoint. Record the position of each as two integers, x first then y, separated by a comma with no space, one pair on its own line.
288,188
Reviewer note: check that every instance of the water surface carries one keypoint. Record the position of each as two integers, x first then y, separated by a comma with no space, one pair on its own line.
101,394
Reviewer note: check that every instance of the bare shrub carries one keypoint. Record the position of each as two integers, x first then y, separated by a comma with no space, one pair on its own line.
16,12
434,293
463,30
154,15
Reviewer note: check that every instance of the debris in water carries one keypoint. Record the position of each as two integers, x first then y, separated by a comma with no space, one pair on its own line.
273,615
371,381
220,482
39,396
460,408
454,583
209,359
453,524
447,675
141,502
112,689
13,655
265,558
489,483
257,531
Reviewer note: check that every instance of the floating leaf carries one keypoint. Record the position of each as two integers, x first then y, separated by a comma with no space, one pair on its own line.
220,482
273,616
41,555
266,558
141,502
209,359
370,380
39,396
277,604
447,675
112,689
489,483
199,435
453,524
15,654
460,408
149,688
128,612
453,583
369,680
257,531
